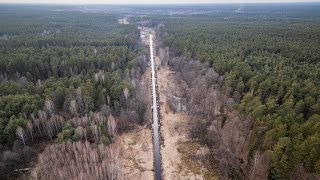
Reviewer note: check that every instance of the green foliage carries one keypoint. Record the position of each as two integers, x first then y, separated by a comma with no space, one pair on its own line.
21,103
66,135
281,166
14,122
56,56
2,128
273,66
317,167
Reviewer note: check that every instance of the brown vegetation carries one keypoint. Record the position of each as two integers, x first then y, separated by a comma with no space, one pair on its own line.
213,122
79,160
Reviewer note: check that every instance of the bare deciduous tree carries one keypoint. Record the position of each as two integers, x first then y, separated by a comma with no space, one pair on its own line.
95,133
112,66
49,129
88,103
30,128
73,108
126,95
132,71
108,100
49,106
80,121
112,124
96,77
47,126
81,133
95,51
105,110
36,121
99,76
21,134
79,160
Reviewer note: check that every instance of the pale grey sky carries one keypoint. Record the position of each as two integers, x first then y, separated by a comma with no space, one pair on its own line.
147,1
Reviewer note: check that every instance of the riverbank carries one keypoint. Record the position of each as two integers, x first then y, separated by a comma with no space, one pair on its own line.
136,145
176,150
137,154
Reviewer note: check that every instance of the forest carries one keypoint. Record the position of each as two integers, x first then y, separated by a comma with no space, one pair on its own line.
69,82
270,68
239,82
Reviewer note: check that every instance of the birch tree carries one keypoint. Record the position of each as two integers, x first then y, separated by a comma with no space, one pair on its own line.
49,106
80,132
126,95
73,108
95,133
112,124
79,160
112,66
30,128
95,51
21,135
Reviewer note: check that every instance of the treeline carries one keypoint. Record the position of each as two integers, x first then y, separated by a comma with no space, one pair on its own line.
40,28
66,76
34,63
271,70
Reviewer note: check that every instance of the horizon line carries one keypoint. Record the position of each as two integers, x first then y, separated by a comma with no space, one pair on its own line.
131,4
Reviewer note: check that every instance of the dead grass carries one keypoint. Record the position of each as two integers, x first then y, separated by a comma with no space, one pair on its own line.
195,160
137,154
187,151
180,156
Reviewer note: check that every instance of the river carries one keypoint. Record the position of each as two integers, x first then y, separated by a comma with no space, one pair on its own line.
155,125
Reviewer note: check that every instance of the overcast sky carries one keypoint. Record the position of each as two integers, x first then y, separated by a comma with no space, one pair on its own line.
147,1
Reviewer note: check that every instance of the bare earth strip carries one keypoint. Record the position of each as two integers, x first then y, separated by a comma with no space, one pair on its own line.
176,150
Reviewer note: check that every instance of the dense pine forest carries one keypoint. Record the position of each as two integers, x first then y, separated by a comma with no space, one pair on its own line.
270,67
238,90
66,76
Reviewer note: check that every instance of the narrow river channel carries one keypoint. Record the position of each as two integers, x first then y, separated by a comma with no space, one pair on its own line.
155,125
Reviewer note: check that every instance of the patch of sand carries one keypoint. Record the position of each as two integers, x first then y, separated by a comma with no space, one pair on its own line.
144,34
